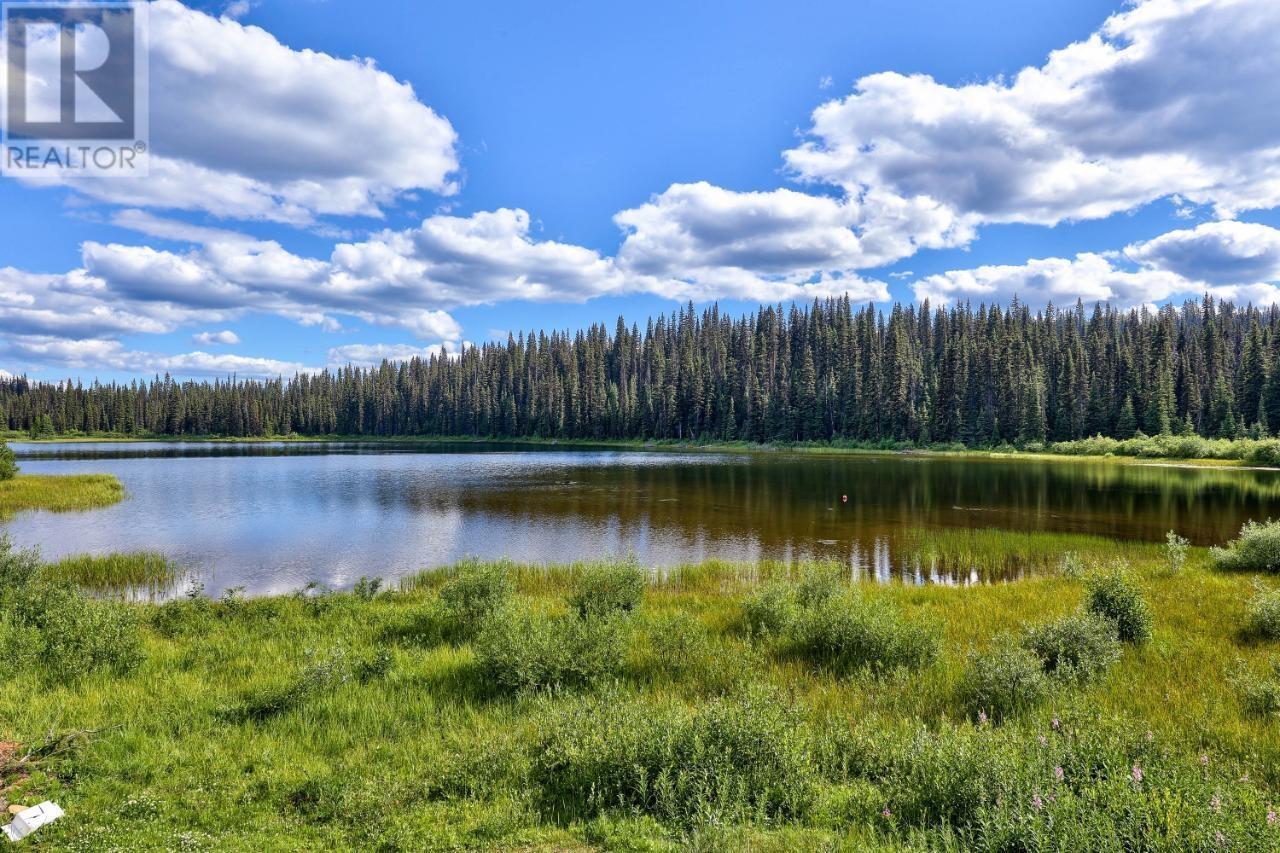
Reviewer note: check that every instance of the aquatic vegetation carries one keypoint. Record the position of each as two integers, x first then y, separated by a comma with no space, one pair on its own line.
117,571
58,493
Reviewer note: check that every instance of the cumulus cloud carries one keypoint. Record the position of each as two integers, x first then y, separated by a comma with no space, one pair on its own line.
370,355
1239,261
244,127
1171,97
48,351
1217,253
701,241
226,337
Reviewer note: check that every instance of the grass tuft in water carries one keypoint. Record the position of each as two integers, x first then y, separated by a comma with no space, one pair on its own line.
58,493
117,571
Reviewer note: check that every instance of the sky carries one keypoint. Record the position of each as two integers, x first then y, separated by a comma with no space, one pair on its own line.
338,182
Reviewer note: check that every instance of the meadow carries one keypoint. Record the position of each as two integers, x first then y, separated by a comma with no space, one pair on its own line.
1122,699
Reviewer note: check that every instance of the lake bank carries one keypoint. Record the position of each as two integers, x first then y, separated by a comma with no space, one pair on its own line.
298,716
1078,450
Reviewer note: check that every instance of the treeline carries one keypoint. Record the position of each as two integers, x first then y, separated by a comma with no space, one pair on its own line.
982,376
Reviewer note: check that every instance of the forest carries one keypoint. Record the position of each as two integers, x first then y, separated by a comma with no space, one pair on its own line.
982,376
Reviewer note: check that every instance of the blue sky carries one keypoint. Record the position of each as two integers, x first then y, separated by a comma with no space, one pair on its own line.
558,164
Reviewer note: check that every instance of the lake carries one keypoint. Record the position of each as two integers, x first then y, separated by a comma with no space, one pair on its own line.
272,517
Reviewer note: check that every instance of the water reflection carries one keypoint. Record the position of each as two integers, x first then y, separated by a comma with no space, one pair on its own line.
272,517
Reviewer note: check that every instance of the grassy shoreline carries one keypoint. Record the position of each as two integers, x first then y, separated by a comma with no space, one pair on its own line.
297,717
58,493
674,445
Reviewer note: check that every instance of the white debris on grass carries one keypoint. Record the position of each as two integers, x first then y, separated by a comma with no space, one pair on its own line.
29,820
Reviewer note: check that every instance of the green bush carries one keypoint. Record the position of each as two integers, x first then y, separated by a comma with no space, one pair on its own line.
1257,549
8,462
62,635
1115,595
819,583
321,676
734,760
475,592
1265,452
1175,549
18,568
1262,615
522,650
1260,694
1078,647
771,610
1004,681
851,633
601,589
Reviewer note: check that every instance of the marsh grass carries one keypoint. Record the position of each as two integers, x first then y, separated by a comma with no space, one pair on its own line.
58,493
117,572
284,724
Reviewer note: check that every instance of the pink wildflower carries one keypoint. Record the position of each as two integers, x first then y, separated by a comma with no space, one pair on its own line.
1204,760
1271,816
982,718
1037,803
1216,803
1058,773
1137,774
1056,724
1043,740
886,814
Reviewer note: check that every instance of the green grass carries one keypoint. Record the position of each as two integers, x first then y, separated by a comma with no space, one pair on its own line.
58,493
116,571
344,721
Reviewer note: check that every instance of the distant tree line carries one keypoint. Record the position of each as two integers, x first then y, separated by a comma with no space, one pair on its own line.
982,376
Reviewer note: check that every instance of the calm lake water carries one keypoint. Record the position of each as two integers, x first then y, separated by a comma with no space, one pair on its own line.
272,517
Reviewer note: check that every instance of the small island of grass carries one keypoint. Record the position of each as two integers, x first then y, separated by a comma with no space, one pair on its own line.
20,492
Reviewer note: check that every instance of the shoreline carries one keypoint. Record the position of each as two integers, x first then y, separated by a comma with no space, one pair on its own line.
668,445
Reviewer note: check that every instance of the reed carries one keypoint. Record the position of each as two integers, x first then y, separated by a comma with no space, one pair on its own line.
58,493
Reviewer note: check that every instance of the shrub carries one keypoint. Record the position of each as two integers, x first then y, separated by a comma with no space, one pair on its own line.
1262,614
600,589
819,583
1005,680
771,610
367,588
1257,549
8,462
475,592
321,676
734,760
58,632
1077,647
1175,550
1260,694
851,633
18,568
679,647
1265,452
1115,595
520,650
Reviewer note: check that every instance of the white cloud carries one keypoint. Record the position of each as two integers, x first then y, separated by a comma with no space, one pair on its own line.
244,127
225,337
1088,276
1231,260
1170,97
1217,253
111,355
370,355
700,241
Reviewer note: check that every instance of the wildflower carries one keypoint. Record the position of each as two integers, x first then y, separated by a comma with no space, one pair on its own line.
1037,803
1043,740
1058,773
1137,774
1056,724
982,718
1216,803
1150,736
1271,816
1244,778
886,814
1204,760
1219,838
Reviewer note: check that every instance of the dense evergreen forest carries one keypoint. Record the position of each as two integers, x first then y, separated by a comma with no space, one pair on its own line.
981,376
